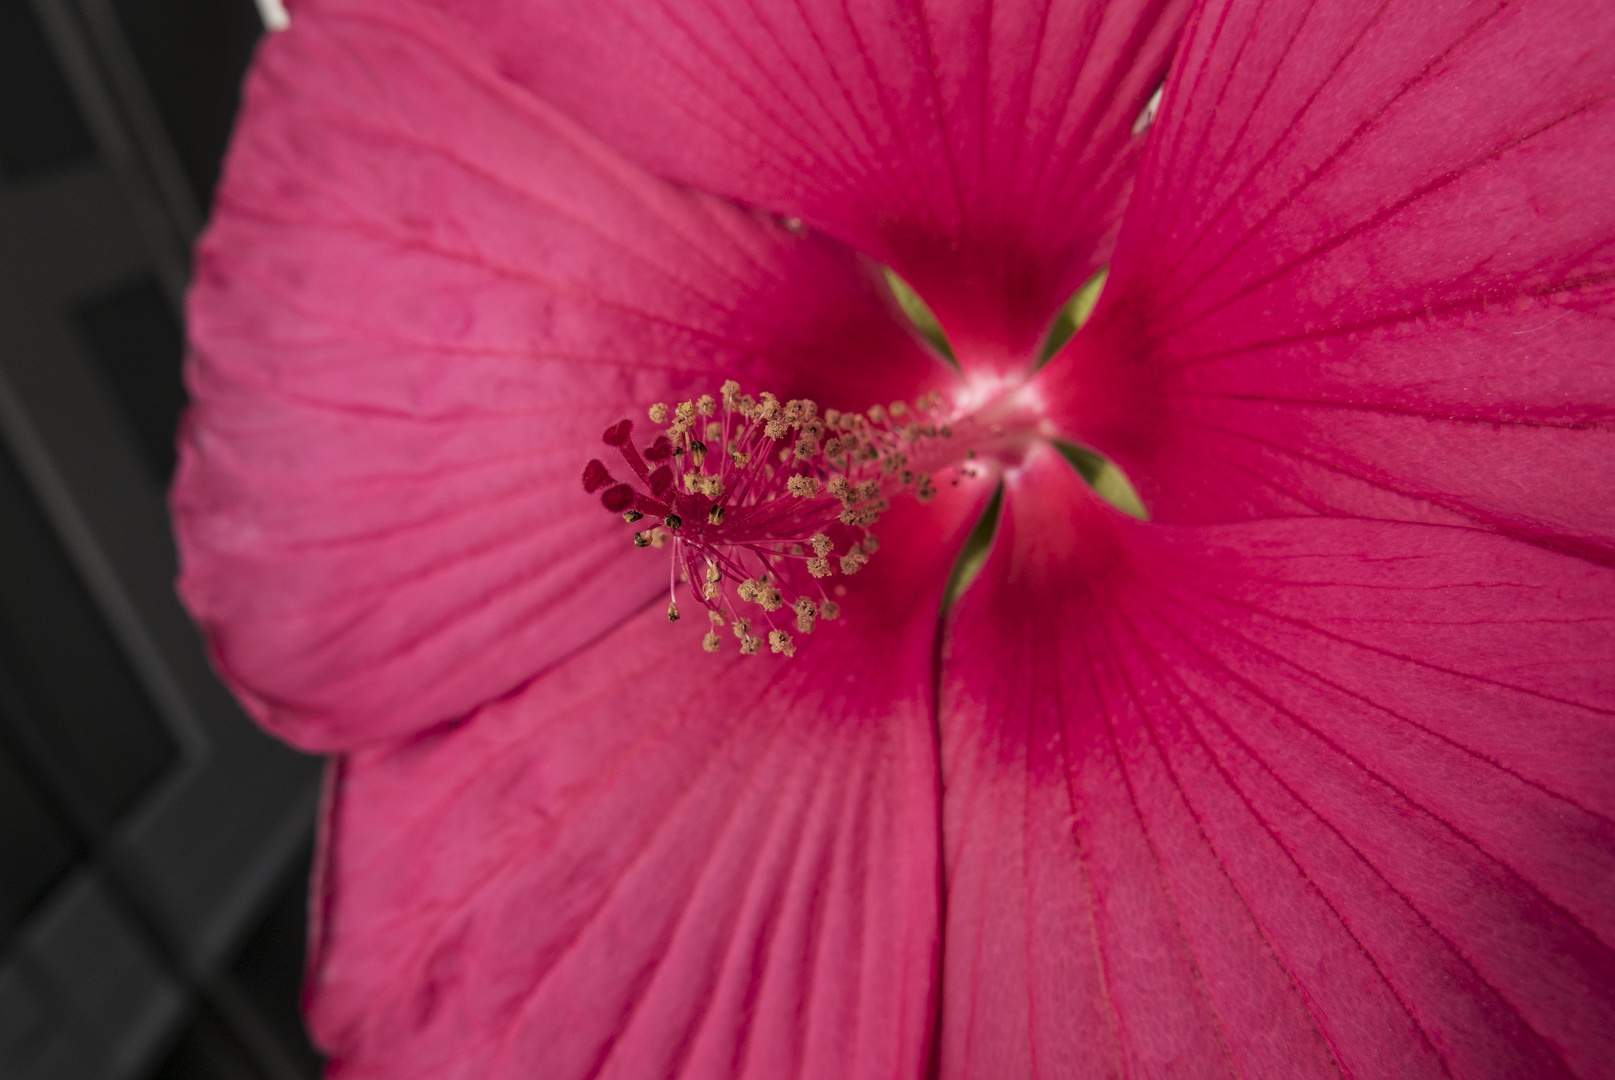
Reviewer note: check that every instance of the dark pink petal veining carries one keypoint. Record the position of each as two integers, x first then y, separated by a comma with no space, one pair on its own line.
1310,775
422,297
652,861
1291,798
1370,269
984,149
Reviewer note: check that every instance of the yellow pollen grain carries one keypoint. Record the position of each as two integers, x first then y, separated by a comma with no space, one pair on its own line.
658,413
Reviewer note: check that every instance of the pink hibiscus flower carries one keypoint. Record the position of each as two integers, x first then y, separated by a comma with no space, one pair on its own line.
1308,775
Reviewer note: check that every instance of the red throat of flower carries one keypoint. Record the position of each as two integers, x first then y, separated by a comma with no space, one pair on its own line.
767,503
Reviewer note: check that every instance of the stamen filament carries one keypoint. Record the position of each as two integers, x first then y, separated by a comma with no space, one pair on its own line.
769,503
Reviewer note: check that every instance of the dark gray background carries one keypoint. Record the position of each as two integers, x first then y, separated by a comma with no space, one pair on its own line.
154,846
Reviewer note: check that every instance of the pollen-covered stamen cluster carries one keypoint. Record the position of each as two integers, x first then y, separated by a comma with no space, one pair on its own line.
765,503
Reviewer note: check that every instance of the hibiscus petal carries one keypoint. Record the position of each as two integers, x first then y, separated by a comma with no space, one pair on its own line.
1370,268
422,298
655,862
1292,798
985,150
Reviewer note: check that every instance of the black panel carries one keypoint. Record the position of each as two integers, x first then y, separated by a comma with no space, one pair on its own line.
193,54
269,969
36,846
138,345
40,127
207,1051
74,706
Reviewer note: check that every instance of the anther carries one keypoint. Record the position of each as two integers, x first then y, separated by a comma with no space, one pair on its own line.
806,612
711,642
672,612
751,499
830,610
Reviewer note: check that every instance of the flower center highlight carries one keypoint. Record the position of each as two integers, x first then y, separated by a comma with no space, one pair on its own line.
766,503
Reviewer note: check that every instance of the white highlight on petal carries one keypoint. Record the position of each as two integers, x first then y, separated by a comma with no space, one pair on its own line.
1151,107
